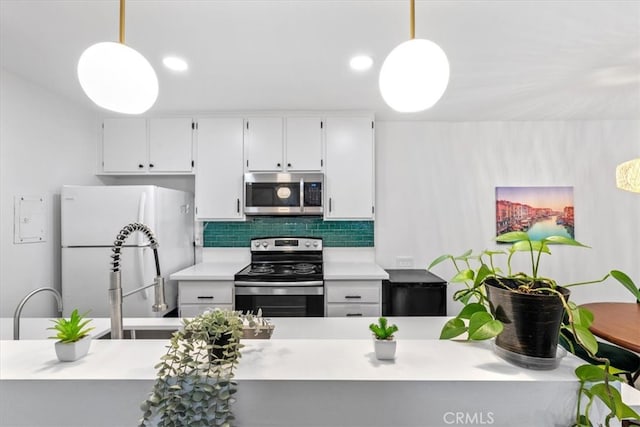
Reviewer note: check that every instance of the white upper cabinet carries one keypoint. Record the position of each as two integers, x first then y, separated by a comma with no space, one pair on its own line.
124,145
291,144
303,145
219,172
349,168
148,146
170,145
263,140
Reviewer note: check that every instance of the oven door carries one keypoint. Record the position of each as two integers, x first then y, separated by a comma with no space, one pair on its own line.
287,299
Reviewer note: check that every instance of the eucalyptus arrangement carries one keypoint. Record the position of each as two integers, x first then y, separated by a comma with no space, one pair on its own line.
498,302
194,384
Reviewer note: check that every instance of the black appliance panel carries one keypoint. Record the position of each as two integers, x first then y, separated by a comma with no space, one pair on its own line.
414,293
263,194
282,305
313,194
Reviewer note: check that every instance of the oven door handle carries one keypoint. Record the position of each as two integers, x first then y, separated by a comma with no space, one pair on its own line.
277,284
279,290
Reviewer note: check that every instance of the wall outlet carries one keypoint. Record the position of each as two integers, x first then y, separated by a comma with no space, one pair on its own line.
404,261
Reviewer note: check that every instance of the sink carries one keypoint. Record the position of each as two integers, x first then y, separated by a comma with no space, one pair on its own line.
142,334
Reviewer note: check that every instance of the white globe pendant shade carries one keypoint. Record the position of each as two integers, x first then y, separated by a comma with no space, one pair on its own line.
118,78
414,76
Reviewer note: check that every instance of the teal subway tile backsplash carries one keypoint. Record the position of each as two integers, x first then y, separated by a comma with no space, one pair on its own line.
333,233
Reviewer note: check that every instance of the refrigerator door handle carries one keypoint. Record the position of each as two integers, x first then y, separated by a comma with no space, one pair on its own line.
142,202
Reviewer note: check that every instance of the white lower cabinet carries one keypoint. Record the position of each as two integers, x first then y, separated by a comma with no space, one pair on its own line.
196,296
353,298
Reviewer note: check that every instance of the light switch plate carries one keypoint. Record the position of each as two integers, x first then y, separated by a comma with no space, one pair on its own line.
29,219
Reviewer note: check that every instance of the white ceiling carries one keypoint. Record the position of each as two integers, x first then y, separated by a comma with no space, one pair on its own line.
510,60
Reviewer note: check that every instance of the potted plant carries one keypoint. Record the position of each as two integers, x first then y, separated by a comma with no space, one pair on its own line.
524,312
194,384
255,326
73,337
384,342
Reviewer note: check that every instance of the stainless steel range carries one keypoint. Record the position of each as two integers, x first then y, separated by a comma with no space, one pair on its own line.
284,278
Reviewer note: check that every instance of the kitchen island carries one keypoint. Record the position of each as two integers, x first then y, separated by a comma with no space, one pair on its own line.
313,372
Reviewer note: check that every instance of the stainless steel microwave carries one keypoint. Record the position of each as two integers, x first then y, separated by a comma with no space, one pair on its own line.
268,193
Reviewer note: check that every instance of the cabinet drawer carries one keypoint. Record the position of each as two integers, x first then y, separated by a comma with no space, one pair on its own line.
353,310
355,294
205,292
192,310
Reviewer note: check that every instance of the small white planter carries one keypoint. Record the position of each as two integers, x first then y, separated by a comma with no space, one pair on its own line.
68,352
385,349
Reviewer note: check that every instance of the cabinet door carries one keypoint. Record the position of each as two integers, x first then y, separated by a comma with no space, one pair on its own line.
170,145
219,172
124,145
263,139
349,168
303,144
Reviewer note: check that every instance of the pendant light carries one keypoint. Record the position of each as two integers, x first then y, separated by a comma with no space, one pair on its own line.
117,77
415,74
628,175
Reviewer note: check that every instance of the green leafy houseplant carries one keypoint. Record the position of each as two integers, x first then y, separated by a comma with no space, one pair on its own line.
194,384
479,318
384,344
382,331
72,329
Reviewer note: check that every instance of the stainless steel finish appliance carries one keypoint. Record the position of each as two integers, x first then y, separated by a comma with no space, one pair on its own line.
284,279
283,193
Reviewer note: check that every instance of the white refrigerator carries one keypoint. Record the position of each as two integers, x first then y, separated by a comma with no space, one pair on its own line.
91,218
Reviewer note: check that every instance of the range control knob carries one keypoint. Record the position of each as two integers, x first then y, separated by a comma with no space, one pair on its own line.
256,244
315,244
264,244
307,244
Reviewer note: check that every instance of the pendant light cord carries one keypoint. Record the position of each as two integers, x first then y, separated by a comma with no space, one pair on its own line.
122,21
412,27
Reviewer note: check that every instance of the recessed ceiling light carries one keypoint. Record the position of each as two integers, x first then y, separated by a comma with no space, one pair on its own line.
361,62
174,63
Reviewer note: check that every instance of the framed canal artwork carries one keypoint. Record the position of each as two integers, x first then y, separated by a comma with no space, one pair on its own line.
540,211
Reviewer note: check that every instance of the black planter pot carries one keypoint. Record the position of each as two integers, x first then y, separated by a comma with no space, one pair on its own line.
531,323
216,354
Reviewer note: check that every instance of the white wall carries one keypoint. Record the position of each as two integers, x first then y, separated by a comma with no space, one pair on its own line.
436,183
45,142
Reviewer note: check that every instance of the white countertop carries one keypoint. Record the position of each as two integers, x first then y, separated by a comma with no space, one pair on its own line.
286,327
209,271
337,348
354,271
332,271
319,352
274,359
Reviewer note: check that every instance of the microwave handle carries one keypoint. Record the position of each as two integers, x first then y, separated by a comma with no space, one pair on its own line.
301,194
